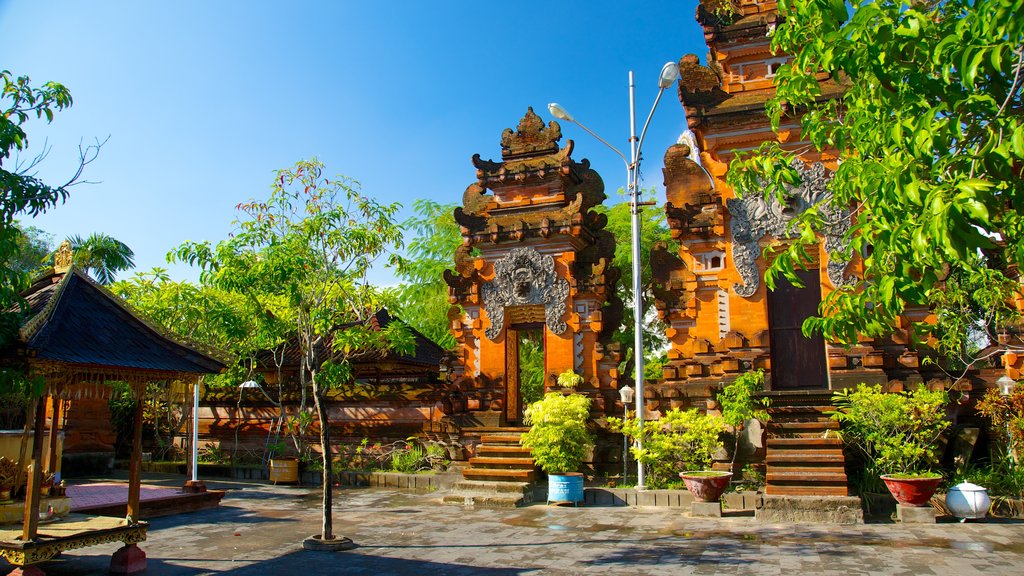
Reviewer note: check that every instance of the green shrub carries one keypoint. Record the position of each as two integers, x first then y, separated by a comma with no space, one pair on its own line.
569,379
558,438
896,432
676,442
408,459
739,405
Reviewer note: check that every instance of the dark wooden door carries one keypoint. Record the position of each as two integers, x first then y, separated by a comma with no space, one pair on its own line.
798,362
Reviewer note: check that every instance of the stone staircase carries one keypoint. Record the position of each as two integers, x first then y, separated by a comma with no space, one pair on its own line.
501,475
804,454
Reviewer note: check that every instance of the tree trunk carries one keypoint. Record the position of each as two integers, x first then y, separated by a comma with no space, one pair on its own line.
327,531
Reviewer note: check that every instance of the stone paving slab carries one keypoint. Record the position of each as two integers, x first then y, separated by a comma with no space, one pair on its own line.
258,530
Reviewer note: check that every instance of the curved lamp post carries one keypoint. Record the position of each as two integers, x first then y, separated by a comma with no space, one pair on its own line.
669,74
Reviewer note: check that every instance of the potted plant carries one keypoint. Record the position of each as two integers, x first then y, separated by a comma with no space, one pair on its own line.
739,406
558,439
897,434
9,474
47,484
679,440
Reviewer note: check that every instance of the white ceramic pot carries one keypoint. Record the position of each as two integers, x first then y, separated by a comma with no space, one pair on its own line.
968,501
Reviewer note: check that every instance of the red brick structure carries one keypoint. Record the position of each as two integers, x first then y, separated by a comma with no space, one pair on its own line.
535,258
721,319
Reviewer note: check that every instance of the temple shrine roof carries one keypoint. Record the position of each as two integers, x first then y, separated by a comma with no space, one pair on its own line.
71,319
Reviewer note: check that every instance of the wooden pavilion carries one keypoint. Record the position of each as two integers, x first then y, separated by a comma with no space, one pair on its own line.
77,338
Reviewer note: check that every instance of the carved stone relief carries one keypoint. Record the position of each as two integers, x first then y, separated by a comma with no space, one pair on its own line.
525,277
753,217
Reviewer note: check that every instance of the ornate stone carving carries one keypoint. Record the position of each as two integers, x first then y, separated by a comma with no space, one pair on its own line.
525,277
753,217
531,137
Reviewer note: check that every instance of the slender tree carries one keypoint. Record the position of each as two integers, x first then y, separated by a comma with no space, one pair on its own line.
312,243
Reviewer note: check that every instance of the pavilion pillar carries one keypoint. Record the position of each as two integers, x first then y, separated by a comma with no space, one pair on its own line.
135,464
30,526
58,404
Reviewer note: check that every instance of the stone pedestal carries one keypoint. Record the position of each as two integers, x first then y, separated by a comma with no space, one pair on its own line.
915,514
129,559
706,510
194,487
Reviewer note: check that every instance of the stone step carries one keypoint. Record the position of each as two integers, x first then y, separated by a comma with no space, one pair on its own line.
495,450
491,487
803,426
777,457
782,411
805,475
502,475
503,462
798,443
500,439
484,501
818,490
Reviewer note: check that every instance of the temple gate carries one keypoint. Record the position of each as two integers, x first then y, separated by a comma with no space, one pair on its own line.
533,286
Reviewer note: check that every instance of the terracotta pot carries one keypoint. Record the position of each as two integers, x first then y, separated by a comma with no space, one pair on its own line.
706,485
5,493
912,491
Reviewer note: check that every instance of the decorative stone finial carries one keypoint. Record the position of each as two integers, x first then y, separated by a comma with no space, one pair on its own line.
531,137
62,258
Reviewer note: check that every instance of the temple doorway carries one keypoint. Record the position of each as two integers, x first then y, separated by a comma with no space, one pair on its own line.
798,362
525,355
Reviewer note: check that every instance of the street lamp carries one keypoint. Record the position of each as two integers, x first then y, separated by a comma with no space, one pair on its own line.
626,395
669,74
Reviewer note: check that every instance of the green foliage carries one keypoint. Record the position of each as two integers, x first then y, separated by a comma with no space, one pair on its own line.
896,433
676,442
21,194
569,379
409,459
931,134
1007,416
558,437
531,365
422,299
738,401
211,454
101,255
33,248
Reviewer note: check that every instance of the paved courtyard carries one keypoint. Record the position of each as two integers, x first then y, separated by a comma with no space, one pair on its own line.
258,530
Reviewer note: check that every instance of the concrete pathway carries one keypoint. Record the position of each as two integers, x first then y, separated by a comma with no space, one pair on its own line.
258,530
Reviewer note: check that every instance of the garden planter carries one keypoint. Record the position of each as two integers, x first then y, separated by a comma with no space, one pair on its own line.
565,487
968,501
706,485
912,491
284,470
5,492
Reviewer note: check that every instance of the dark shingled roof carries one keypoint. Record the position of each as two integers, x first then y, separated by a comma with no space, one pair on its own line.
426,353
74,320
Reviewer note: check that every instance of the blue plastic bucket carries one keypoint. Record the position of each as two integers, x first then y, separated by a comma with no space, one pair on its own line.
565,487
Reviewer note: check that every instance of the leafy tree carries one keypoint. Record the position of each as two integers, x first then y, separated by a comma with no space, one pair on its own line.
101,255
739,405
422,299
311,244
929,129
21,192
653,230
33,248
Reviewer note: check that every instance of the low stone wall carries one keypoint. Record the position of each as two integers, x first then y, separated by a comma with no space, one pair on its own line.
747,500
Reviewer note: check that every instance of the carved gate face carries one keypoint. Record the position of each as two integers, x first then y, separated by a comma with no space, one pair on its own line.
798,362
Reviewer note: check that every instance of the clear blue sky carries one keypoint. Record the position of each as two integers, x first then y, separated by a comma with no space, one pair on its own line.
203,100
